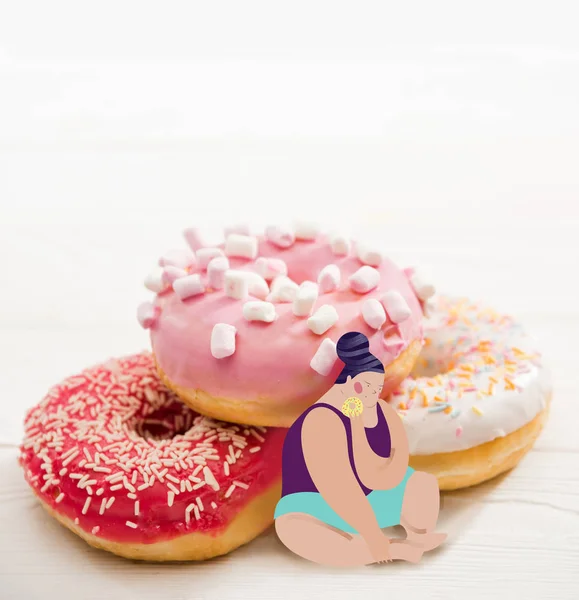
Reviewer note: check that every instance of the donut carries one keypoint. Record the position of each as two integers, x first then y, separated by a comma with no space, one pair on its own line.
477,397
113,455
355,410
247,331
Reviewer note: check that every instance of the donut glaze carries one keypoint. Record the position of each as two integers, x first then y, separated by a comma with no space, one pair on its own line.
271,363
117,453
479,377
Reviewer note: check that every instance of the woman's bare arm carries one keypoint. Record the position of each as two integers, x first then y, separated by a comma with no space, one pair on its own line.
376,472
325,450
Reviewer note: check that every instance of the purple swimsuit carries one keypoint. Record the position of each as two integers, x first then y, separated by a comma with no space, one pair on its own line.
296,477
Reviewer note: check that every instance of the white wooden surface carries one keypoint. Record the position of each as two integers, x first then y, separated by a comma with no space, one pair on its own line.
447,134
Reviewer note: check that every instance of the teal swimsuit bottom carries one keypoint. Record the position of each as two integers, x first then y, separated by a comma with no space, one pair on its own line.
386,504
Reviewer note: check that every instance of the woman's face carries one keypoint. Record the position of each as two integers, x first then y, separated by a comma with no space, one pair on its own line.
367,387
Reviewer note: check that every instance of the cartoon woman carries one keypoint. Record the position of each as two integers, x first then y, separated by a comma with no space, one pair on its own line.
345,478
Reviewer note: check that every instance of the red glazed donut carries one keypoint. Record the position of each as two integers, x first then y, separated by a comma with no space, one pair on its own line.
236,338
119,460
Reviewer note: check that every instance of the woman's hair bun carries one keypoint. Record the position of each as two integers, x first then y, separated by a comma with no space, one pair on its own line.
353,349
352,346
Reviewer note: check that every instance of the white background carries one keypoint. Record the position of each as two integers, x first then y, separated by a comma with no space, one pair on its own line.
448,132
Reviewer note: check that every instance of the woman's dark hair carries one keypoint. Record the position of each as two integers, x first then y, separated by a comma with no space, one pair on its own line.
354,350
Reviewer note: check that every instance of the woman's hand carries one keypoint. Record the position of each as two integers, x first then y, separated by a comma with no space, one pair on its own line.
379,546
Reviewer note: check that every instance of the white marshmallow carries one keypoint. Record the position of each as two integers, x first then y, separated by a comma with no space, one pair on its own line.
147,315
257,285
329,278
223,340
269,268
241,228
280,235
340,244
369,256
422,286
283,289
428,308
325,317
243,246
186,287
171,273
236,284
257,310
373,313
154,281
396,307
178,257
204,256
216,272
325,357
193,238
305,230
364,279
305,299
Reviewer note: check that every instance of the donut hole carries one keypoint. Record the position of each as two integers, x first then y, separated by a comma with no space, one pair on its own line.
434,360
164,423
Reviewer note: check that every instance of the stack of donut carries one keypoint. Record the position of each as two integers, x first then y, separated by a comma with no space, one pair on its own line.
176,455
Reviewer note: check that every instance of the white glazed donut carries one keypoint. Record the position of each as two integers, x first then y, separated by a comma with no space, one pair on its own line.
477,397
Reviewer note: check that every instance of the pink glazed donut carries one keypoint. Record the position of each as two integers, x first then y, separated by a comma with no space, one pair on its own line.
246,331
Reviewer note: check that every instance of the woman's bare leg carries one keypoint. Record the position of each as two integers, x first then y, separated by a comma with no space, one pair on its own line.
420,509
313,540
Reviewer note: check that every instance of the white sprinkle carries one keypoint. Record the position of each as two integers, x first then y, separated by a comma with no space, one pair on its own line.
209,479
100,491
95,530
131,524
196,513
200,484
174,489
226,468
59,497
172,478
110,502
86,505
62,472
70,458
76,521
243,486
254,449
136,508
170,498
199,503
114,488
103,506
188,510
229,491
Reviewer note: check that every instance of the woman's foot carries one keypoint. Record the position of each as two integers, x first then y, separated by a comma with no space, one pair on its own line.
426,541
